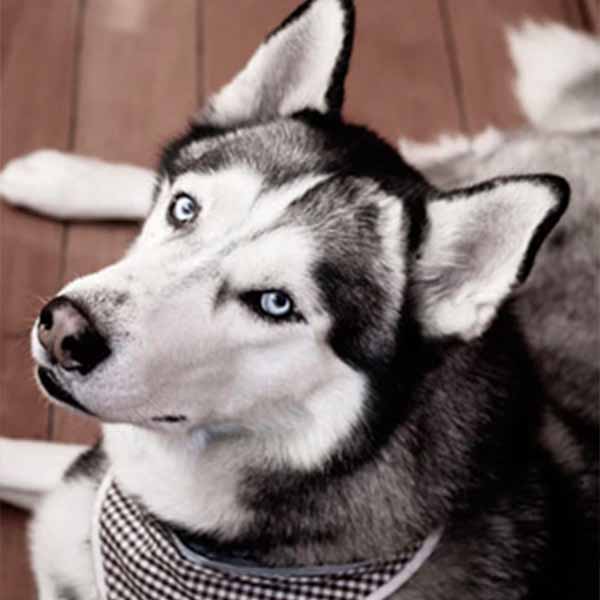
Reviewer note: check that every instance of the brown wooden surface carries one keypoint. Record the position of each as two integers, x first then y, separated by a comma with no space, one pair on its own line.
38,75
38,57
590,10
484,72
400,81
115,78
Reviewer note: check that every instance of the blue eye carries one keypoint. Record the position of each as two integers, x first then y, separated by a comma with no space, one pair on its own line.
272,305
276,304
183,209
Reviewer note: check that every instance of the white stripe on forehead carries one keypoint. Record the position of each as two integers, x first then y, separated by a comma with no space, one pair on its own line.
225,196
235,200
195,150
393,229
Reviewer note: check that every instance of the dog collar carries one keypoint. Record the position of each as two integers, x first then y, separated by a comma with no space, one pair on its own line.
137,558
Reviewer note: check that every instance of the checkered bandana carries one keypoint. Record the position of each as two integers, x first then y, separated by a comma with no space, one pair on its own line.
137,558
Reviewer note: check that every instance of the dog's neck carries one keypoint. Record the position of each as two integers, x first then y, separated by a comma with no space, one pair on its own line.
224,486
243,484
233,487
191,480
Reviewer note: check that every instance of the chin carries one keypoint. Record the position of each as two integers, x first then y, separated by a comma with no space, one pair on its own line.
56,392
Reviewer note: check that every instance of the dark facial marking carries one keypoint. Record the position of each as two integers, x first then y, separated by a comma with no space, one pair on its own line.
89,465
169,419
221,296
66,592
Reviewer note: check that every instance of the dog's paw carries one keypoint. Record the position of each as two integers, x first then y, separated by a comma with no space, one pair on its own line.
39,182
69,186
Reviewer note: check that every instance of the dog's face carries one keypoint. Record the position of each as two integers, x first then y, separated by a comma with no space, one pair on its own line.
284,255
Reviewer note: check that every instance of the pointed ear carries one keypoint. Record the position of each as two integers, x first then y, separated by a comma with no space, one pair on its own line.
301,65
480,244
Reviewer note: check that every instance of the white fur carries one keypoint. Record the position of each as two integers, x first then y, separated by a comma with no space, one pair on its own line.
193,478
473,253
172,289
30,469
549,60
393,229
67,186
486,142
233,203
424,154
60,536
308,48
449,148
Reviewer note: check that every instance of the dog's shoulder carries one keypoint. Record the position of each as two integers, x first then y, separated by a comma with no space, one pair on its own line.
91,464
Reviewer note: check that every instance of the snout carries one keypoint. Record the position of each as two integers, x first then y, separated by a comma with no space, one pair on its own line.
69,336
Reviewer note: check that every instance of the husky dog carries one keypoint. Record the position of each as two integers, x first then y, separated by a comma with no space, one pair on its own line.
315,354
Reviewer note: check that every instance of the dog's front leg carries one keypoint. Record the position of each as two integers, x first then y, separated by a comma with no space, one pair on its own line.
61,542
67,186
59,482
61,532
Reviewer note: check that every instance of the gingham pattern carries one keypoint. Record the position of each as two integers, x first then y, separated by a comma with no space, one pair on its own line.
140,560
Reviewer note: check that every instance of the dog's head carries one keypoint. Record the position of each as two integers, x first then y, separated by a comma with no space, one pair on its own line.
291,263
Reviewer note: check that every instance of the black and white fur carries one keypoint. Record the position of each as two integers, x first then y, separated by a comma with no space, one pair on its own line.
418,388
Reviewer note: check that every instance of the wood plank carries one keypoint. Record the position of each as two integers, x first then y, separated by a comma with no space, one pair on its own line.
38,59
399,81
23,413
591,15
36,112
477,32
572,14
138,87
16,581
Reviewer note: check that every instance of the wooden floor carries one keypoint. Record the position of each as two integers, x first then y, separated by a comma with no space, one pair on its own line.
116,78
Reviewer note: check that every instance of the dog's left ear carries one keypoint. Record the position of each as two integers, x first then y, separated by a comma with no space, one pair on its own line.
301,65
479,245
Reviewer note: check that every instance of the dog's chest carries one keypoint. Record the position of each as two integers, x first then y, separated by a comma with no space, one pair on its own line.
138,558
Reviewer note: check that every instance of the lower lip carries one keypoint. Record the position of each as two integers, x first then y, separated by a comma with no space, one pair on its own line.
54,389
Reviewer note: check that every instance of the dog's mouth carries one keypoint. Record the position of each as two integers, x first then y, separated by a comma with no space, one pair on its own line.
53,388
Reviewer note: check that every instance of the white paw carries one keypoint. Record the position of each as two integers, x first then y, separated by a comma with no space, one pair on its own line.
69,186
39,181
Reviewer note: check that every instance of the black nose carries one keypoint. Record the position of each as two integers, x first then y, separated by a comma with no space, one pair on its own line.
69,336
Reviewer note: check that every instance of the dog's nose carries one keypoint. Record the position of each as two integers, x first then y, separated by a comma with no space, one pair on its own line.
69,337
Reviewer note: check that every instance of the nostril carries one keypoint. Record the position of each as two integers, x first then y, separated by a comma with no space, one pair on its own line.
67,353
84,351
44,331
45,318
69,344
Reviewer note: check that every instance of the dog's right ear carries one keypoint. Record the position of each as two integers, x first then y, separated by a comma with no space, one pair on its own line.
480,245
301,65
